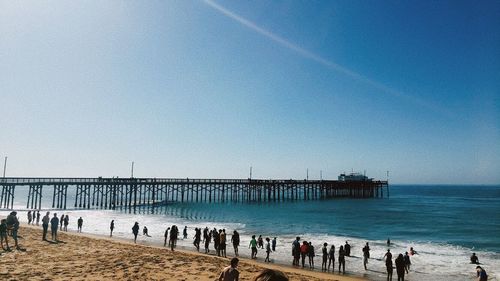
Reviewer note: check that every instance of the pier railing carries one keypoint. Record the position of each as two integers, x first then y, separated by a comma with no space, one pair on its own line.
110,193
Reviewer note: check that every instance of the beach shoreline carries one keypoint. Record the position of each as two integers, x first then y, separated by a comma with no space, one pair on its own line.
98,257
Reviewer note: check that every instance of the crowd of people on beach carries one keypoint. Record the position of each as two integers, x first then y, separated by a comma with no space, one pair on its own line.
301,250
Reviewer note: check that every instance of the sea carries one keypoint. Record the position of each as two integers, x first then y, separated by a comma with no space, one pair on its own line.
444,224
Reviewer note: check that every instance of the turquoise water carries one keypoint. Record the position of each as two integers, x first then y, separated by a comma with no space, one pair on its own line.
467,216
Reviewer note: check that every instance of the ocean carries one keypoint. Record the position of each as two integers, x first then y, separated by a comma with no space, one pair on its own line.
443,223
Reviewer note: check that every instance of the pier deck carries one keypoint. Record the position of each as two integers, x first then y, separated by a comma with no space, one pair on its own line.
110,193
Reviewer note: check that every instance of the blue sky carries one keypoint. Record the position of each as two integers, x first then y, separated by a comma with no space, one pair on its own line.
206,89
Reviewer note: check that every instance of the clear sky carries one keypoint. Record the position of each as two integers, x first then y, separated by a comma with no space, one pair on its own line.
206,89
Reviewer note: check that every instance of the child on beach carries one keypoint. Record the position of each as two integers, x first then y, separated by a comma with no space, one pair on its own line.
303,252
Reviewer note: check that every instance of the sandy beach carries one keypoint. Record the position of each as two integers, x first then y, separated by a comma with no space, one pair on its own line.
88,257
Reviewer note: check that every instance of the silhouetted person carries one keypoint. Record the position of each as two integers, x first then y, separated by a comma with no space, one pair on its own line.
331,258
54,224
166,237
296,251
388,264
3,235
61,222
474,259
45,225
347,249
135,231
236,241
29,217
222,242
145,231
388,242
185,232
407,262
311,254
80,224
268,249
66,222
260,241
174,232
342,259
400,267
111,228
324,251
37,217
366,254
274,244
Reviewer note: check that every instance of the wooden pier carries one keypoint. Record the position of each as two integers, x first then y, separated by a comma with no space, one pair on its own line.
112,193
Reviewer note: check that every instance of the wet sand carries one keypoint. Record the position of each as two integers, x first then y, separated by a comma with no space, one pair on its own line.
88,257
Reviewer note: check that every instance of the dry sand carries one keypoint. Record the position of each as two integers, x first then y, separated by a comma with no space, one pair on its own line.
87,257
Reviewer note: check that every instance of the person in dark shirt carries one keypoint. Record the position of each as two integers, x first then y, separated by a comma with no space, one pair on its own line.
54,224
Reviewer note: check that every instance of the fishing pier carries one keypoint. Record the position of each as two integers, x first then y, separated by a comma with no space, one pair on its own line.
113,193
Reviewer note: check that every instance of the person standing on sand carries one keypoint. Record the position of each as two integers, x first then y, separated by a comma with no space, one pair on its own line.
3,235
400,267
29,217
253,245
388,264
45,225
13,224
274,244
185,232
174,232
324,251
342,259
260,241
135,231
407,262
296,251
311,254
230,273
66,222
268,249
80,224
366,254
236,241
303,252
37,217
197,238
166,238
222,243
54,224
207,242
61,221
111,228
331,258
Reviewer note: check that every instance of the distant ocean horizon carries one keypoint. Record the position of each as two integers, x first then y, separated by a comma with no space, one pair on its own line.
443,223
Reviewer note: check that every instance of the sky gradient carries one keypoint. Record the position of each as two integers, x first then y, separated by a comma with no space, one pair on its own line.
206,89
